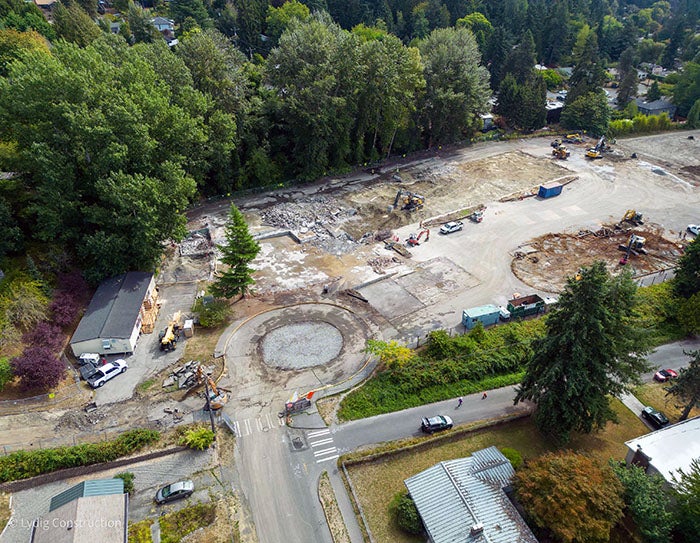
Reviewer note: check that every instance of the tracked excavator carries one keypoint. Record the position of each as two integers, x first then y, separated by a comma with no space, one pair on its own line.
597,151
409,201
414,240
633,217
635,247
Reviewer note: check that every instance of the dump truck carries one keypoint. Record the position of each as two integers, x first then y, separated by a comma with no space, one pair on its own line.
525,306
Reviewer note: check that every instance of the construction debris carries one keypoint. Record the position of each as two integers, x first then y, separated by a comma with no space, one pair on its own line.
197,243
185,376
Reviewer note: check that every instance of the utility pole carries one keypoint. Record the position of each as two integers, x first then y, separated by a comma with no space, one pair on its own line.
211,413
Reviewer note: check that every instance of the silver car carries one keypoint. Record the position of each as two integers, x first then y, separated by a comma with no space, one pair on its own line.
175,491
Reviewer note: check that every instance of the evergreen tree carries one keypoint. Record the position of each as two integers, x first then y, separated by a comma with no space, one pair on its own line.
239,251
588,74
654,93
628,78
591,351
687,279
686,387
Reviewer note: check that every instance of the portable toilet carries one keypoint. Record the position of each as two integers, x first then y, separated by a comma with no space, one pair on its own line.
485,314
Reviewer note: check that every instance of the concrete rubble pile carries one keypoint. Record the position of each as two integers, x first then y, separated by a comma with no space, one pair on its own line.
197,244
317,220
185,376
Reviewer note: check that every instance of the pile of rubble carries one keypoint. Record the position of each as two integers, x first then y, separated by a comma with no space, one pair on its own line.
318,220
185,376
380,263
197,243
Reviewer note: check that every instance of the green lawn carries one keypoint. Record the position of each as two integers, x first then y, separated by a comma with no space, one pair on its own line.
378,481
653,394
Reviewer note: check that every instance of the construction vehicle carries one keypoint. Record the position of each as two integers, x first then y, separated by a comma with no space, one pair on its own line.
169,335
217,396
414,240
409,201
597,151
561,152
573,138
635,246
633,217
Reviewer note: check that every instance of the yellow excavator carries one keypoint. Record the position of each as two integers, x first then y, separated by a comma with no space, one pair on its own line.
633,217
217,396
410,201
597,151
561,152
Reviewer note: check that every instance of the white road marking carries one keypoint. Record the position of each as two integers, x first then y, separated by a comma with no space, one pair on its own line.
248,427
323,432
322,442
325,451
328,458
236,428
259,424
269,421
548,215
573,210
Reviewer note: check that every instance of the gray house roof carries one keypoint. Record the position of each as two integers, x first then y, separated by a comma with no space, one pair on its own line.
656,105
114,308
95,487
455,496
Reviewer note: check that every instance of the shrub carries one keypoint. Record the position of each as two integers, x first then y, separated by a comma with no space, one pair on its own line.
26,464
140,532
198,438
44,334
64,308
513,456
175,526
38,367
406,514
212,313
128,479
6,374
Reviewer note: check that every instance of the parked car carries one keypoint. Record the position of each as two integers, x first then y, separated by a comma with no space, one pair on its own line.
87,370
435,424
664,375
450,227
175,491
106,372
656,418
90,358
694,229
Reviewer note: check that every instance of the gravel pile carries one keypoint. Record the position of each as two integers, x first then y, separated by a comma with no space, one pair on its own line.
282,348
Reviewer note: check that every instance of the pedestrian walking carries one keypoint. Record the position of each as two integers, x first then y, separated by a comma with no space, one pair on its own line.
459,402
484,396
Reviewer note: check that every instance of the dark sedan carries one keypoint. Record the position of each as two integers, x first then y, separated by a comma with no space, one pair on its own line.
656,418
435,424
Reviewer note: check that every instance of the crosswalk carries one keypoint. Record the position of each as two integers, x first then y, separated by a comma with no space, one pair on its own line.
264,423
322,445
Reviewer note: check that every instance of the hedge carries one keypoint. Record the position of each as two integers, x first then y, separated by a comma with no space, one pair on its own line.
26,464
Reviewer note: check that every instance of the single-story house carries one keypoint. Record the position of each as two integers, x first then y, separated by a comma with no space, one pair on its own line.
667,450
112,321
46,5
161,24
655,107
464,500
94,510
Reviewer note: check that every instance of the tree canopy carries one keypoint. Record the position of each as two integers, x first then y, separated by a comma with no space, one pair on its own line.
685,389
553,486
591,350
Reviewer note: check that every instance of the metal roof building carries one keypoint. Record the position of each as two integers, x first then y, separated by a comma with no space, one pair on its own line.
112,321
90,512
463,501
667,450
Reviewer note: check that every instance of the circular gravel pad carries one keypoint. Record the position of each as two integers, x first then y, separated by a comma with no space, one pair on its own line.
301,345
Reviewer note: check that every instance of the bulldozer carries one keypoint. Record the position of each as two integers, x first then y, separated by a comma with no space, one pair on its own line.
409,201
561,152
414,240
217,396
633,217
169,335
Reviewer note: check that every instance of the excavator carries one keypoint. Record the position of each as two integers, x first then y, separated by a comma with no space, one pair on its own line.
597,151
414,240
635,246
168,336
410,201
633,217
217,396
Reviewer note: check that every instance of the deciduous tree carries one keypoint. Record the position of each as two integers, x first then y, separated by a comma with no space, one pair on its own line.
240,250
74,25
38,367
568,494
687,486
685,389
391,354
589,112
456,85
591,350
648,500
